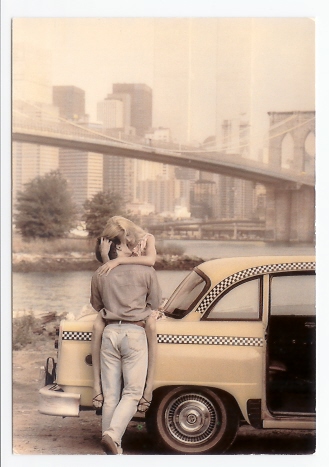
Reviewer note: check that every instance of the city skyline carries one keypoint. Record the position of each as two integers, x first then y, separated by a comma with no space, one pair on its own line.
201,70
219,76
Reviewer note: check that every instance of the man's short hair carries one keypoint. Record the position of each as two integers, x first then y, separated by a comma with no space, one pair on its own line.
112,252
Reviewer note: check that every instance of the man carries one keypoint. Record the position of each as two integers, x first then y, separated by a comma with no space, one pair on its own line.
126,297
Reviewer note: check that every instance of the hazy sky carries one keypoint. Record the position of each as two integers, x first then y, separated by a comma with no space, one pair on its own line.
201,70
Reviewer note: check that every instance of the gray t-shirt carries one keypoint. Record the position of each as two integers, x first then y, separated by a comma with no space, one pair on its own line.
129,292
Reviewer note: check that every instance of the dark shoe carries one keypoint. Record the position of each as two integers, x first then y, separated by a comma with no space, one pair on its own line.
108,445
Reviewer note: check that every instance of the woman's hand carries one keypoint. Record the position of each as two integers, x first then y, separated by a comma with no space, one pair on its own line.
106,268
104,248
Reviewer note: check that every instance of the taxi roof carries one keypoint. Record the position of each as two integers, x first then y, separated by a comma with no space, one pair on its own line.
218,269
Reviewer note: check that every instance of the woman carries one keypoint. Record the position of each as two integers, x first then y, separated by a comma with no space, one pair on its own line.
139,248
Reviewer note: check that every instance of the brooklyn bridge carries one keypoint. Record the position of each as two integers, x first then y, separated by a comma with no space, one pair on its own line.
290,188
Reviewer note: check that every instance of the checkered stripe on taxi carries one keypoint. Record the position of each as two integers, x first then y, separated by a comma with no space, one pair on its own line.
76,336
250,272
210,340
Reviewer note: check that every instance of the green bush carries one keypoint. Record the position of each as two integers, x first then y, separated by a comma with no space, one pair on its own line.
45,208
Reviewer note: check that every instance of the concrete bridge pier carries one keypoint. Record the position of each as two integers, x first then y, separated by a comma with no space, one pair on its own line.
290,213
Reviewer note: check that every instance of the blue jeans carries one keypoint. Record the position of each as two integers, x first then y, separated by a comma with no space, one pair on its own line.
124,359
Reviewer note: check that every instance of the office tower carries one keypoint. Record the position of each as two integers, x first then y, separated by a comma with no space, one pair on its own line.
236,196
155,137
31,93
114,112
236,137
71,102
84,173
165,193
110,112
83,170
141,105
30,161
120,177
127,111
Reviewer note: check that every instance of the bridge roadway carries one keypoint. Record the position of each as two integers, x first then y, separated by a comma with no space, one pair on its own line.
239,228
215,222
214,162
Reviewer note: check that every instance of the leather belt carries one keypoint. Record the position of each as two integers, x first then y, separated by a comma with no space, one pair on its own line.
122,321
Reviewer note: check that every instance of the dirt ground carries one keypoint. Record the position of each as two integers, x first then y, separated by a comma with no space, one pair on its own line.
34,433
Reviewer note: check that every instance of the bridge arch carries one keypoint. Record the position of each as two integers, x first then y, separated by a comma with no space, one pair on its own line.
297,127
309,153
287,151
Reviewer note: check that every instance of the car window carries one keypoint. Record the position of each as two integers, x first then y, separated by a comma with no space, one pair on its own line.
241,302
180,303
293,295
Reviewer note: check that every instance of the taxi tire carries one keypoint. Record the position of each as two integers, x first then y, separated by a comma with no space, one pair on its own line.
190,420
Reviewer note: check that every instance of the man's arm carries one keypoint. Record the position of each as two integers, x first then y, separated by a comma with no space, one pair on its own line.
154,292
95,296
96,339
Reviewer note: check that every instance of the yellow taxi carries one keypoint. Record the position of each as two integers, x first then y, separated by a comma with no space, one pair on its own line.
236,345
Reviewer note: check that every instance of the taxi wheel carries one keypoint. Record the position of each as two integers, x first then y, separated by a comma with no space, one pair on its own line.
192,421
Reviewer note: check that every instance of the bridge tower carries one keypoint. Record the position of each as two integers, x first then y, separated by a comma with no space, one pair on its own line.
290,210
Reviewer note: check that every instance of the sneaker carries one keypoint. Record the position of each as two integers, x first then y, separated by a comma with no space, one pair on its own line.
109,446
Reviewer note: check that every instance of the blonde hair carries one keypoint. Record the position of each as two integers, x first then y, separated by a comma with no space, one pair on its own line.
118,224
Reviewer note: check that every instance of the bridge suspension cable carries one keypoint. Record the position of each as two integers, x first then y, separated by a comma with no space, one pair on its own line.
199,150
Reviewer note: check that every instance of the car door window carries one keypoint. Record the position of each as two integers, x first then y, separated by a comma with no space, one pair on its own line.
241,302
293,295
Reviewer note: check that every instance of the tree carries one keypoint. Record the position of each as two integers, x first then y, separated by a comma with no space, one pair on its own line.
99,209
45,208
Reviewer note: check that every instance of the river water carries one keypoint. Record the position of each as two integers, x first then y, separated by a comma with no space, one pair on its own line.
69,291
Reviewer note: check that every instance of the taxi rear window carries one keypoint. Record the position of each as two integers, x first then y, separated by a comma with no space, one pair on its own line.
185,296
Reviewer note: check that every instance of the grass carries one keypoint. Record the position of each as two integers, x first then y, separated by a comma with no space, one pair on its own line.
23,328
28,330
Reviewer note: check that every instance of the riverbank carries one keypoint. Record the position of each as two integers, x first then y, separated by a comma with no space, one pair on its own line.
27,262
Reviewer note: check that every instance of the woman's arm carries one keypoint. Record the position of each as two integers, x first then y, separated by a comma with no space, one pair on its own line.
147,260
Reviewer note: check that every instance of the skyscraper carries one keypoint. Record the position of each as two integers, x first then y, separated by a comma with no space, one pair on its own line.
141,105
31,99
70,100
84,173
83,170
120,176
235,195
114,112
127,111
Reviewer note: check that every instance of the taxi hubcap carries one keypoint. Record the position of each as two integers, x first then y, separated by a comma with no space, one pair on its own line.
191,418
